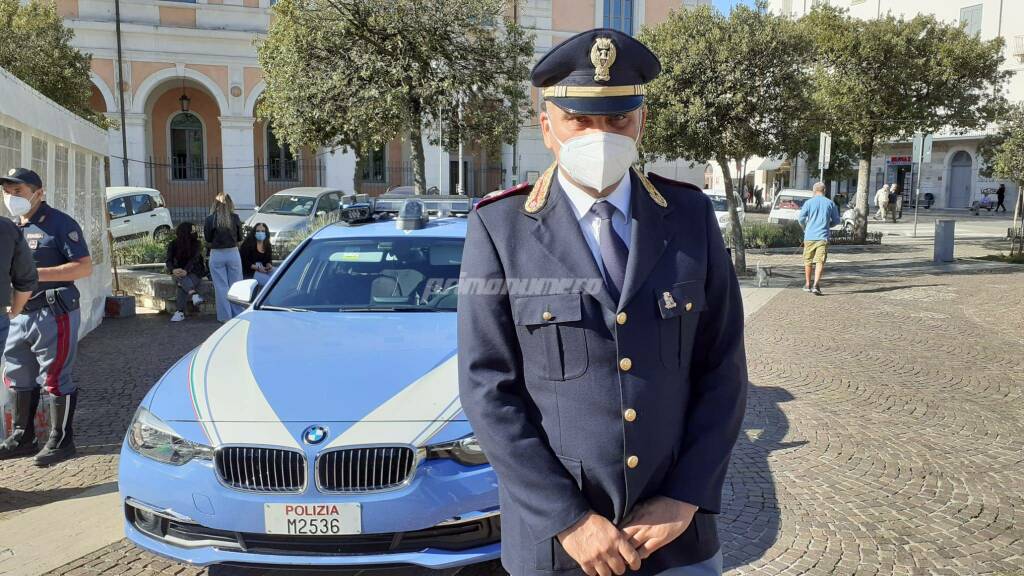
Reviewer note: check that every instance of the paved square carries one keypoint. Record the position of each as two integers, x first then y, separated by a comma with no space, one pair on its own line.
883,433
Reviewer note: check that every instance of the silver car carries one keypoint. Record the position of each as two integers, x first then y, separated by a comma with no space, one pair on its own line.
290,213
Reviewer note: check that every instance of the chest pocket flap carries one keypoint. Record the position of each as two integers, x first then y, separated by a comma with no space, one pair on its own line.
546,309
552,334
682,298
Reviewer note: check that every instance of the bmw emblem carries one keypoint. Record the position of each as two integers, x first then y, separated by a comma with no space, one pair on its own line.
314,434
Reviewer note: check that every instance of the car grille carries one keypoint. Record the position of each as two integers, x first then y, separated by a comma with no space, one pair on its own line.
457,536
364,469
262,469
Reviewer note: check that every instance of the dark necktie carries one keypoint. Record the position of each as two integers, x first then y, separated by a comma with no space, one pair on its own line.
613,249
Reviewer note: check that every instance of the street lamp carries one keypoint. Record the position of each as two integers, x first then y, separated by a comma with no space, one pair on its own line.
184,100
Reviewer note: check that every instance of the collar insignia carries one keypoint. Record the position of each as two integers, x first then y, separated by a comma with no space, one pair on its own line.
652,191
539,195
602,56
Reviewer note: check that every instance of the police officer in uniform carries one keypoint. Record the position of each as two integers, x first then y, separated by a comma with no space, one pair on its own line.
43,340
601,359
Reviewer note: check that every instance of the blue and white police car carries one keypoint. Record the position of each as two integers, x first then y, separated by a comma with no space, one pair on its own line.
322,426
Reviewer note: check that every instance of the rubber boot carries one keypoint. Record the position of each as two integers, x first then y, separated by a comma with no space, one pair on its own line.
22,441
61,444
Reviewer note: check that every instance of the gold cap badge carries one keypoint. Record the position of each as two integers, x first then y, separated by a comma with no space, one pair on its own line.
602,55
11,172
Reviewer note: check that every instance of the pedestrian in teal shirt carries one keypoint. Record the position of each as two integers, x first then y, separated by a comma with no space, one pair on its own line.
817,215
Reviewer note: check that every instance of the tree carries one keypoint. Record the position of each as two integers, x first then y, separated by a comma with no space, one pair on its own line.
885,79
1003,153
37,49
359,73
730,88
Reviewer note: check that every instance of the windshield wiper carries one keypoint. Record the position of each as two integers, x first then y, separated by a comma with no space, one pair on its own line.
283,308
387,309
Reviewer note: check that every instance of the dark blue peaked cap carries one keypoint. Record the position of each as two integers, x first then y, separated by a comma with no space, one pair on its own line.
600,71
22,176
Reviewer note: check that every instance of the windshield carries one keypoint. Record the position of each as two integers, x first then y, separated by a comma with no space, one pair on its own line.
371,274
719,203
290,205
787,202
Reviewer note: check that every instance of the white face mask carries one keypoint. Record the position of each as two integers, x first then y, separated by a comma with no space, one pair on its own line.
597,160
17,205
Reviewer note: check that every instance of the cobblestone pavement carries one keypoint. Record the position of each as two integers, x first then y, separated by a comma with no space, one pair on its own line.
883,433
116,366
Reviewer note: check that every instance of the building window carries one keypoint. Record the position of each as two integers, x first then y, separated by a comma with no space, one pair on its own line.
281,164
186,147
61,177
970,18
98,229
10,149
618,14
373,166
39,149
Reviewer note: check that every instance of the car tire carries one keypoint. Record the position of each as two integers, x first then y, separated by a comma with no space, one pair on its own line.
162,233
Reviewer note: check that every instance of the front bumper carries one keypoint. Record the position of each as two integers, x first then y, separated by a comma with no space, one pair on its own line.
445,517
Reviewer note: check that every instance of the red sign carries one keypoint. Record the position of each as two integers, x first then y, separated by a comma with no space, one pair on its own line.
900,160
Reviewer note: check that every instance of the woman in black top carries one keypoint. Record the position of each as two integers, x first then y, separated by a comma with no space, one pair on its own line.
257,254
185,261
223,232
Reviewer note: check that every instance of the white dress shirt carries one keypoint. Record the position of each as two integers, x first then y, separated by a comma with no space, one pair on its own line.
590,224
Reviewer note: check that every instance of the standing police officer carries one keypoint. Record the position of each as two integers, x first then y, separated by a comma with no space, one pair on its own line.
43,340
601,358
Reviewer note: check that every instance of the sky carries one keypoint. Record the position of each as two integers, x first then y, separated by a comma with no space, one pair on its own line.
725,5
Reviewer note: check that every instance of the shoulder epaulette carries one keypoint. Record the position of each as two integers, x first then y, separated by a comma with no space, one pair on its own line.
499,194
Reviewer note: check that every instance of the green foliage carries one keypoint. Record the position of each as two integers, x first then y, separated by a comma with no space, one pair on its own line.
1004,151
359,73
36,48
764,235
887,78
731,87
142,251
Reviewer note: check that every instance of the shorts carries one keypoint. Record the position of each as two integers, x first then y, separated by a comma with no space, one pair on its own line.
815,251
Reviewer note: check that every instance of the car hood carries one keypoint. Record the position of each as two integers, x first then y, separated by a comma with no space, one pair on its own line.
369,377
279,222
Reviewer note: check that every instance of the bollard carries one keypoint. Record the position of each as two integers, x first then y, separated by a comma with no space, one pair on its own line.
944,232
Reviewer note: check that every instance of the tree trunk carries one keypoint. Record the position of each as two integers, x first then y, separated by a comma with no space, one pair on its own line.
1017,231
860,225
739,255
419,169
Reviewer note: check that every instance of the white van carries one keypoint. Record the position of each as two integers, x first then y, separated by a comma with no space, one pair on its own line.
137,212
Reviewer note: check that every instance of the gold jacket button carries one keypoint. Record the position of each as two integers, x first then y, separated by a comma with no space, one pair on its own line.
689,306
625,364
629,415
547,316
620,318
632,461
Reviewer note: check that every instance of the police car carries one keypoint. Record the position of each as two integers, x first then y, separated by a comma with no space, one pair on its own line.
322,426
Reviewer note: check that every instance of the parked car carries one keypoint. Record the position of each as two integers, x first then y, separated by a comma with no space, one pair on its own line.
289,213
718,199
787,204
137,213
263,446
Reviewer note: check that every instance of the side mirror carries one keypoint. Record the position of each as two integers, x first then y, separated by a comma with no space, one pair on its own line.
243,292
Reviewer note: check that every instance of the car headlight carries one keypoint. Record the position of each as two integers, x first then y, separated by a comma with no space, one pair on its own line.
465,450
152,438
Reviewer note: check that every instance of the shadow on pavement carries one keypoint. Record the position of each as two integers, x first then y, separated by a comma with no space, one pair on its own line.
750,519
20,500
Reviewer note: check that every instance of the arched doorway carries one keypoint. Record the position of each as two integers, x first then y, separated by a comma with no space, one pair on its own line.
960,177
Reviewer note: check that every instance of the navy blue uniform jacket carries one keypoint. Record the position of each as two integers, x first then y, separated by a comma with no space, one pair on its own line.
582,403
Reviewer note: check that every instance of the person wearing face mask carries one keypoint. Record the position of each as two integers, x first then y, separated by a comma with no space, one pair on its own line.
43,340
257,254
187,265
608,397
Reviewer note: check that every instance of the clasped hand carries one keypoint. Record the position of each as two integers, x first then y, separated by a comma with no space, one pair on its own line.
602,549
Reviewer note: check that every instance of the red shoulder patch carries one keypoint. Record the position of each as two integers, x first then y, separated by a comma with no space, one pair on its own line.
513,191
659,178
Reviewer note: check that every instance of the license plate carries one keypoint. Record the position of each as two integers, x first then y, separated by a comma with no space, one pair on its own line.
313,519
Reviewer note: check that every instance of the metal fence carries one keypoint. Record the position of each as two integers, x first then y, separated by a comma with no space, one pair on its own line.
479,180
188,188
